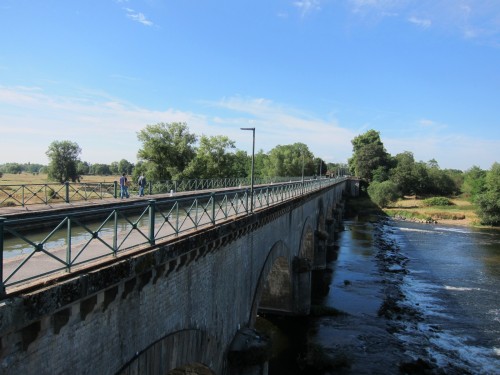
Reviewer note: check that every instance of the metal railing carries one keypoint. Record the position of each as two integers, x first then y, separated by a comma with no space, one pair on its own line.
77,239
29,194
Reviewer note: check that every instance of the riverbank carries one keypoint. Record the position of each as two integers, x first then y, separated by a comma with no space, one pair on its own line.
461,212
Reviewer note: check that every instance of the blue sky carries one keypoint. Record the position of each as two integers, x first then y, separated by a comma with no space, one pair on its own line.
424,73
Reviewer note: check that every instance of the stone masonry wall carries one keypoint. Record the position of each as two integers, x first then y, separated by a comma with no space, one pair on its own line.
97,322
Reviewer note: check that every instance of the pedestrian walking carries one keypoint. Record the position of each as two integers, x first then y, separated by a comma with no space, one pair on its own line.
142,184
124,186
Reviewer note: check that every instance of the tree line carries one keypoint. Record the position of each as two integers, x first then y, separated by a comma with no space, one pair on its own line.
392,177
170,151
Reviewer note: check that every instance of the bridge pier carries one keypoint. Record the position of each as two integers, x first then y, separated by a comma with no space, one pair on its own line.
301,286
249,353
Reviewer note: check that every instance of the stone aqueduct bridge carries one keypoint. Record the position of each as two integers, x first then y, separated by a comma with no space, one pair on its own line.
186,304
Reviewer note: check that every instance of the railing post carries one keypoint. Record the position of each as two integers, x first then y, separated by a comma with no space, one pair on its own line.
22,195
212,196
115,231
67,191
115,189
246,194
2,287
152,213
68,245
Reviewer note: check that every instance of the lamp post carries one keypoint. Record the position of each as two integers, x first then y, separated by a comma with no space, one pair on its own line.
251,176
302,171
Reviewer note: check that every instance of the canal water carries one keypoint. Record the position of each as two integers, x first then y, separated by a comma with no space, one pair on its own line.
404,297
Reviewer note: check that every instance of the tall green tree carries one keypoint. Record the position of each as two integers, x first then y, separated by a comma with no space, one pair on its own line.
82,168
290,160
368,154
242,164
101,169
474,182
63,156
213,158
124,166
489,201
403,174
168,148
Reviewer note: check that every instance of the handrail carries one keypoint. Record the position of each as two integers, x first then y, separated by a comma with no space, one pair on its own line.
48,193
82,237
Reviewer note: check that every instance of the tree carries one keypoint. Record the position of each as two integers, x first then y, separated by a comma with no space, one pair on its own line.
63,156
168,147
321,166
489,201
242,164
289,160
474,182
12,168
83,168
260,161
101,169
403,173
125,166
212,158
368,154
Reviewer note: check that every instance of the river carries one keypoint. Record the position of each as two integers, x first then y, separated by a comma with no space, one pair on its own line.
410,298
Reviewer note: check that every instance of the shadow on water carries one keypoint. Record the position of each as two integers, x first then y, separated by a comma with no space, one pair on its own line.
294,350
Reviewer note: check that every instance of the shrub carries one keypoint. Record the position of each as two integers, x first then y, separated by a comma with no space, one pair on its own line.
489,208
382,193
437,201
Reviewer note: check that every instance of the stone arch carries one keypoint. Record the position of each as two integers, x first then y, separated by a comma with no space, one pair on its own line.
186,351
274,286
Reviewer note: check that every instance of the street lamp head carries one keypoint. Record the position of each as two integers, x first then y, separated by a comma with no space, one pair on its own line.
247,128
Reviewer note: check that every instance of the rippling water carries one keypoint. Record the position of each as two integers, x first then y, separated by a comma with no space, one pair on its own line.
454,280
450,283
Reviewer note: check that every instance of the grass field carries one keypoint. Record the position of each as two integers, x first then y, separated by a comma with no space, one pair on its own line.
462,212
27,189
28,178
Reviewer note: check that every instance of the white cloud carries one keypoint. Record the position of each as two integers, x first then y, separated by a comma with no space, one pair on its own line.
106,128
424,23
138,17
471,19
307,6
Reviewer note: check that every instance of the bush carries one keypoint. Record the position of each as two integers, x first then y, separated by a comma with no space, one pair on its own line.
489,208
437,201
382,193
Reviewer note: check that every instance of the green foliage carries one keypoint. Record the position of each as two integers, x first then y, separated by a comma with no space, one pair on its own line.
437,201
63,156
16,168
489,201
382,193
474,182
368,154
125,166
212,158
101,170
289,160
169,148
83,168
